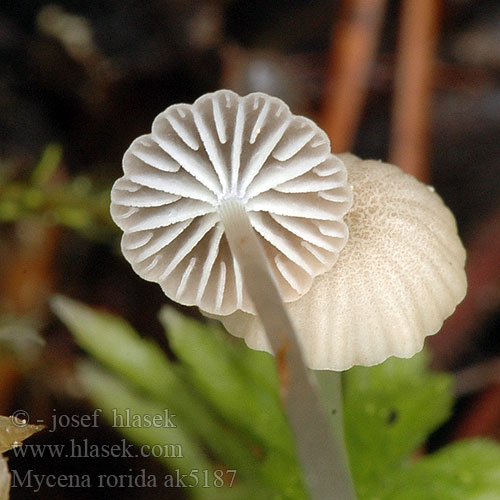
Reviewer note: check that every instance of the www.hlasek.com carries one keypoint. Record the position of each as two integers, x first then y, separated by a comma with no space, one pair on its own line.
203,478
86,449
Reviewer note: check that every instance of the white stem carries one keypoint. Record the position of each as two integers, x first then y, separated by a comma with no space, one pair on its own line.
321,455
330,384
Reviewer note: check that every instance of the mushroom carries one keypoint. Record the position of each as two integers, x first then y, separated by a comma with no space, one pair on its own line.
202,159
234,204
399,277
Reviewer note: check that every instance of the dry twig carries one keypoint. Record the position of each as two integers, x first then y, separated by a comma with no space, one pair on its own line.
411,115
350,62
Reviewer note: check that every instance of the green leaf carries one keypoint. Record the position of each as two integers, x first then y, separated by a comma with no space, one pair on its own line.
114,343
148,382
177,449
218,370
241,384
466,470
390,410
117,399
48,164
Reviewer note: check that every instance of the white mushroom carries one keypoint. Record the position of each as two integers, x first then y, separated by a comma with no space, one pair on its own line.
235,204
221,149
399,277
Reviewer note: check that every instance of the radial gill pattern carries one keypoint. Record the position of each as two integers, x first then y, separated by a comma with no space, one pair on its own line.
229,147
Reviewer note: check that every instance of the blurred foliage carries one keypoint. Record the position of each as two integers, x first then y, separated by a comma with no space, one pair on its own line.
78,203
228,404
463,470
228,414
19,336
400,402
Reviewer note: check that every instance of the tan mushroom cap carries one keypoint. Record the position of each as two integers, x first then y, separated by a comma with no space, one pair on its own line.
399,277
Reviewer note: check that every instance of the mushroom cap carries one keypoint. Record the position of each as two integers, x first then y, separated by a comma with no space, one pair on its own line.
399,277
229,147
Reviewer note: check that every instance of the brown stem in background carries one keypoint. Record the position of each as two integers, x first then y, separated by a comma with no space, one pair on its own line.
27,277
484,417
28,272
411,115
477,377
483,297
9,377
351,58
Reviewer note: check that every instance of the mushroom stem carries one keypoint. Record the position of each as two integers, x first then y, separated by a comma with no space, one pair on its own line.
330,383
321,454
